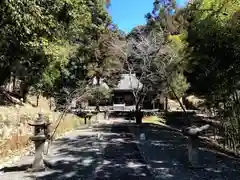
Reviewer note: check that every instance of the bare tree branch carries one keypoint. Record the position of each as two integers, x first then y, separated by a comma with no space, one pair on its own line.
149,58
150,61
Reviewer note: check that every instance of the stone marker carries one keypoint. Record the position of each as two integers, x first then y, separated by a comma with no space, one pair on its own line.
142,137
193,141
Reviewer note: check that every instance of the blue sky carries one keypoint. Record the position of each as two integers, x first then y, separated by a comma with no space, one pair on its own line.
129,13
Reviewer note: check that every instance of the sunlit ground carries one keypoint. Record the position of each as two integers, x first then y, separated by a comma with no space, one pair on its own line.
154,120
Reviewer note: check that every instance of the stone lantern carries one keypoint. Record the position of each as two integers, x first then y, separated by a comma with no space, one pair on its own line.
41,134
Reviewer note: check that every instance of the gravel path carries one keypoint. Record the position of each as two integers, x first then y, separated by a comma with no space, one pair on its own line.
122,159
111,152
107,152
74,156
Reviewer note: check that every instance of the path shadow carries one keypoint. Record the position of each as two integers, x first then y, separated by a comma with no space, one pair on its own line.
179,119
23,167
72,158
84,156
110,152
166,151
122,159
213,136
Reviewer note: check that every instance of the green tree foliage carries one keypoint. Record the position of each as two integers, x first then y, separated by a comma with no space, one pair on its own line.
179,83
31,31
212,51
19,23
93,58
52,45
213,46
167,17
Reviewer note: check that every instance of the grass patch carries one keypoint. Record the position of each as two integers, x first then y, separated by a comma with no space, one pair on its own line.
154,120
13,145
70,122
19,137
15,131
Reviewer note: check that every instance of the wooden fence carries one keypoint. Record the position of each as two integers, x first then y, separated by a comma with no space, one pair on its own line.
224,135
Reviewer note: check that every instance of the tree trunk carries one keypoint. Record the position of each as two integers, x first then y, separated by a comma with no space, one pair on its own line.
5,73
37,100
14,84
9,84
50,103
138,116
25,96
24,91
166,106
98,102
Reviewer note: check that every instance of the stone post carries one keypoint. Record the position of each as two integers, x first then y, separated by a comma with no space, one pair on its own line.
106,114
193,142
193,151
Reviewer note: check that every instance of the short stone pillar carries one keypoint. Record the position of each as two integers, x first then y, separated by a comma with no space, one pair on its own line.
41,134
106,114
142,137
193,151
193,142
